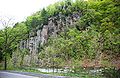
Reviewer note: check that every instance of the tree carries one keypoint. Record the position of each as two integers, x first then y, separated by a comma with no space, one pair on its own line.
10,36
1,41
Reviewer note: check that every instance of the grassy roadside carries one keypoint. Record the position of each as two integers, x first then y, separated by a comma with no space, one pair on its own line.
70,74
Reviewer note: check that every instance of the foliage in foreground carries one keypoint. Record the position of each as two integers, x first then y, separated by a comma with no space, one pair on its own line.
111,73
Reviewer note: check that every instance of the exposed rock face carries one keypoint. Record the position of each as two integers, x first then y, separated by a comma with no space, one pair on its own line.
39,38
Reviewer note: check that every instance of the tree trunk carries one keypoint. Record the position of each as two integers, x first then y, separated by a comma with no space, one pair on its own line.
5,67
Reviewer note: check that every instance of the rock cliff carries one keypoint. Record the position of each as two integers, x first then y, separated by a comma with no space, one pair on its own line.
39,37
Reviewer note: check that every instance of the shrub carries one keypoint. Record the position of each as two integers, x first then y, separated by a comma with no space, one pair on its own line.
111,73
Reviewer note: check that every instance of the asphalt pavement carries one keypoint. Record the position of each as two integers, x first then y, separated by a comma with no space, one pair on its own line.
14,74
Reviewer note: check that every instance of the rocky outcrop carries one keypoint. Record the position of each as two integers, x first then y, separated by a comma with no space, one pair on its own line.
55,25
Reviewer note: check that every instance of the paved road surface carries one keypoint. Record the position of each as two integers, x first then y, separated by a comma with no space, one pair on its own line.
14,75
5,74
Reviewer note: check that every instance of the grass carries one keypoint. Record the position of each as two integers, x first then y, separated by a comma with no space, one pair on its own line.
70,74
74,75
80,75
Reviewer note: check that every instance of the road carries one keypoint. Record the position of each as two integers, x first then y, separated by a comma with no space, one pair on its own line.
5,74
14,75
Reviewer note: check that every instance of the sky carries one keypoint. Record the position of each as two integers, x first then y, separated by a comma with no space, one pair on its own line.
20,9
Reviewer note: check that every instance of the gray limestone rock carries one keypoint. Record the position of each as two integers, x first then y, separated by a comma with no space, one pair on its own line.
39,38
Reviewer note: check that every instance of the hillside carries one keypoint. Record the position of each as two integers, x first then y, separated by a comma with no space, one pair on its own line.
69,34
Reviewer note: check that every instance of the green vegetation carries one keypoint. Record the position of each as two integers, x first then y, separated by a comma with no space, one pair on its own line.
9,38
73,75
94,35
111,73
